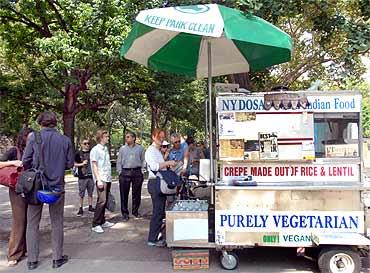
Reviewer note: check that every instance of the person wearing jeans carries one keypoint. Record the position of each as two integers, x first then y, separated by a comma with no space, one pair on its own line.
155,162
101,170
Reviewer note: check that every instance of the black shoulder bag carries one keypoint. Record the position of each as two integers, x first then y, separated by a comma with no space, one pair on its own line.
30,181
168,181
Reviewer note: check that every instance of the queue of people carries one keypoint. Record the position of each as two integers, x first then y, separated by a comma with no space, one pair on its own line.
94,171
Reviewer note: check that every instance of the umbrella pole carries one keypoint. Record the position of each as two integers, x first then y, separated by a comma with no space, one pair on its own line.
210,131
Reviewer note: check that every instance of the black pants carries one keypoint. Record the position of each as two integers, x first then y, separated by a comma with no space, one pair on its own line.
101,203
126,178
158,214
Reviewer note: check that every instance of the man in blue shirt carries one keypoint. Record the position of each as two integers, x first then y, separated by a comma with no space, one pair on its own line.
178,153
58,155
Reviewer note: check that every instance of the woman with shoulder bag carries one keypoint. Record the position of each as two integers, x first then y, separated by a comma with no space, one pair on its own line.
17,241
155,162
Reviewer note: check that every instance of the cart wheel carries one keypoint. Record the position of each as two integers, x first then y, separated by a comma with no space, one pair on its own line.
339,259
229,261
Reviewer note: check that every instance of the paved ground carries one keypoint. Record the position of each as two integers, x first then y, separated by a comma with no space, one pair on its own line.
123,247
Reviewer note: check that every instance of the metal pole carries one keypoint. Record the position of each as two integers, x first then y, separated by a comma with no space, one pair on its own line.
210,131
206,141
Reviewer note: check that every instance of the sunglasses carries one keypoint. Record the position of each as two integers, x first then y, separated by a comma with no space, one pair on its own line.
164,146
176,142
86,143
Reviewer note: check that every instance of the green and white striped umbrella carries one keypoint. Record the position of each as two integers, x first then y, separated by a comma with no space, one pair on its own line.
176,39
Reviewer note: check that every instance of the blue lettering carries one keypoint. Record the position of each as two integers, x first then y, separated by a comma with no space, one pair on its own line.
225,105
338,104
343,222
233,103
328,222
311,218
262,105
249,220
264,219
255,104
231,220
318,222
223,219
240,221
277,220
285,221
302,221
249,105
241,104
294,223
354,221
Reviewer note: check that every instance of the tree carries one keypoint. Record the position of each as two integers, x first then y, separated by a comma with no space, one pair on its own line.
329,38
69,51
174,97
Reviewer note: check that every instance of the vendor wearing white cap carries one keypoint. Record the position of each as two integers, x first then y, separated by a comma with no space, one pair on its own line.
164,149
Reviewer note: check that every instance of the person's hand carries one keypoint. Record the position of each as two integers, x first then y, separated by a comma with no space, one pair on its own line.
17,163
171,163
100,184
84,162
183,172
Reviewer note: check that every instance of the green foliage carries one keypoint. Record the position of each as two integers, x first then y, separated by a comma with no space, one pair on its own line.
47,48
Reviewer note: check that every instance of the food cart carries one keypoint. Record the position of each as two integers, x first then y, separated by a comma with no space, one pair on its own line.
289,174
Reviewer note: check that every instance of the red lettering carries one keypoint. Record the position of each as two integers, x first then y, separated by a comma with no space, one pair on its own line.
235,171
340,171
308,171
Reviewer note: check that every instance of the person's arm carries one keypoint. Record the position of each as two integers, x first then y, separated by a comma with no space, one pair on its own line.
78,161
142,158
16,163
154,165
28,153
95,171
186,161
119,159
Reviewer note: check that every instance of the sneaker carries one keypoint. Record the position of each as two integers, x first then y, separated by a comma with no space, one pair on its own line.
160,243
80,212
91,209
107,224
138,216
97,229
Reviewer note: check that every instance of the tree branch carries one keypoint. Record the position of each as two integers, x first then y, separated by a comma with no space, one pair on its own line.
43,20
52,84
35,102
99,104
25,20
62,22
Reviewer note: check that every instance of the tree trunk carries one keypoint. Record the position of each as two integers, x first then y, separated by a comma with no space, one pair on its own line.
156,116
242,79
69,114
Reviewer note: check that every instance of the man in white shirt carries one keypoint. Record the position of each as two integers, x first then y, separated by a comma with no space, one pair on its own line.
101,170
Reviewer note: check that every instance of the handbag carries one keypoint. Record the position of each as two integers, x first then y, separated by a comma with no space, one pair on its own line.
111,203
9,176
